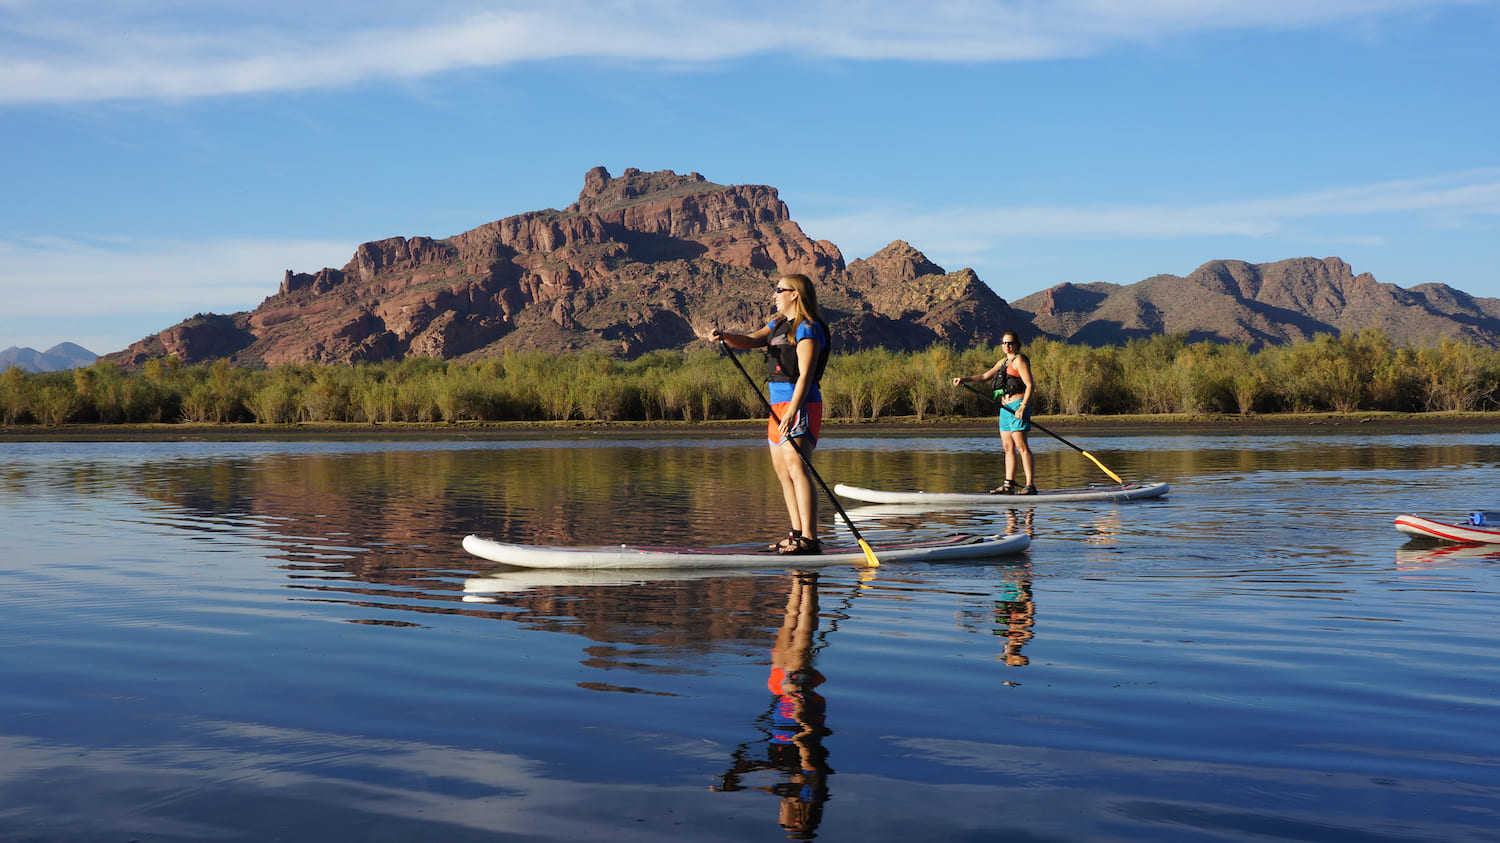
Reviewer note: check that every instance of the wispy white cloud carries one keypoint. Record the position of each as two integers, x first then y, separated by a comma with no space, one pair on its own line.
80,50
1443,201
62,277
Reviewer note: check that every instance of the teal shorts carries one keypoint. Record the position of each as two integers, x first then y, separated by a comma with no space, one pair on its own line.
1008,421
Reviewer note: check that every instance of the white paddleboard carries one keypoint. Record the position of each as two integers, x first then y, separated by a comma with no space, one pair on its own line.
964,546
1125,492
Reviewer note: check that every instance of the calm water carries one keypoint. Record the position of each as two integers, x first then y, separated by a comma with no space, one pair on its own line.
284,641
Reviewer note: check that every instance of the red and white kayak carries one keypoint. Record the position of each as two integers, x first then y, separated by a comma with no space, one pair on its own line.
1426,528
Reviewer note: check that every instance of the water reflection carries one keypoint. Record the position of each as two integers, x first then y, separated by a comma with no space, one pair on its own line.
422,499
793,729
648,626
504,579
1021,521
1419,555
222,636
1015,616
1007,612
958,464
894,522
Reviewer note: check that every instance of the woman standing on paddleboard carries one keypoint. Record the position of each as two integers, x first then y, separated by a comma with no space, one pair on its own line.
1010,377
796,343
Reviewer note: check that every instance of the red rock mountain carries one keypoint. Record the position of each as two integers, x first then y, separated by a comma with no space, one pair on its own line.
646,261
640,262
1261,304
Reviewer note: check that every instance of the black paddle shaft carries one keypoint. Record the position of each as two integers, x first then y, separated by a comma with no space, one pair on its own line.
1001,405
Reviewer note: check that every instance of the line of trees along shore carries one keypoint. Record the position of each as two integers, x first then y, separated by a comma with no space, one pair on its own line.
1160,374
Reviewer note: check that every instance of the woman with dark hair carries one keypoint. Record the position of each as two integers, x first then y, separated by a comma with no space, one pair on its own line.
1010,378
796,343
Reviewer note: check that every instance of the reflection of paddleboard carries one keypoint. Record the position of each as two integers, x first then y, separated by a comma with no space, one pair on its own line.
959,547
1126,492
1426,528
511,580
892,510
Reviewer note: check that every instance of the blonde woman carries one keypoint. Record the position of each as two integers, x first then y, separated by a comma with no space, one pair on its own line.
796,343
1010,377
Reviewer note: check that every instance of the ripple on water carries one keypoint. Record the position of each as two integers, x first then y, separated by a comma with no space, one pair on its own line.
192,630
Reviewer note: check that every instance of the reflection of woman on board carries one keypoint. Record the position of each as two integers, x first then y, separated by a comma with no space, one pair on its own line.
1015,615
1010,377
796,343
795,745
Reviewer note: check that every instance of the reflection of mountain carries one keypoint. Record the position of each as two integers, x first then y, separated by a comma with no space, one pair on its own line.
658,627
390,521
373,512
374,530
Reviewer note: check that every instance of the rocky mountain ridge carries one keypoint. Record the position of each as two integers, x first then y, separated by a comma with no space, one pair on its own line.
640,262
648,261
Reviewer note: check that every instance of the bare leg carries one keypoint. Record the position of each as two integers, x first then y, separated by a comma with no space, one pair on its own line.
1023,450
796,488
1008,443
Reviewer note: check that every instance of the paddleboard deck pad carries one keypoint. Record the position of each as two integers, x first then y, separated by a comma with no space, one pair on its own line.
1124,492
1426,528
963,546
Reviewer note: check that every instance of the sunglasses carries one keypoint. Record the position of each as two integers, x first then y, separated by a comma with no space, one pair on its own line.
1010,342
785,290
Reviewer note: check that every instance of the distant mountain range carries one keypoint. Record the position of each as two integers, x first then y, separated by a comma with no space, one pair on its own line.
648,261
55,359
1262,304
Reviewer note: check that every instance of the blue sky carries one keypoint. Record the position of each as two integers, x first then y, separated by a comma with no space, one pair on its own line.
170,157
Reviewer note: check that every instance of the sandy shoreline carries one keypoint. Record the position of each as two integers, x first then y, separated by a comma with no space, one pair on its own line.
1302,422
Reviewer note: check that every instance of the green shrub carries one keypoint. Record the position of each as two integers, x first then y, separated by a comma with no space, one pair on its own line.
54,398
1457,376
15,399
1163,374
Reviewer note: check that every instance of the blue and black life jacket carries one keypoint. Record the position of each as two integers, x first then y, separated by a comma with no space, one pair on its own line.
781,353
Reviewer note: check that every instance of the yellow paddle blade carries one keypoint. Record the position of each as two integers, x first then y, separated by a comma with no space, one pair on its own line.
1101,466
869,554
